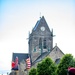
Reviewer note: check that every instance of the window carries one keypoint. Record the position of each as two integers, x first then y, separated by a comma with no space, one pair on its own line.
34,49
40,43
57,60
48,49
44,44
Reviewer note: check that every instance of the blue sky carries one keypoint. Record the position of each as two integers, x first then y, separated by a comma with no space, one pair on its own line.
18,17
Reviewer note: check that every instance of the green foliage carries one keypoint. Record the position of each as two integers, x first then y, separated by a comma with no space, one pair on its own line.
46,67
66,61
52,69
32,71
73,62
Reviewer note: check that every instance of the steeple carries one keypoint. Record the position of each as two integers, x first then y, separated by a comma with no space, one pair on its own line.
41,22
40,40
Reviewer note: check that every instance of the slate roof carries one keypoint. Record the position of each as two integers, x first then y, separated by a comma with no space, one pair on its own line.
21,56
46,54
38,23
40,57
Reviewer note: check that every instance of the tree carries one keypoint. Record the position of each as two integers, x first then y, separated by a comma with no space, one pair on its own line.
46,67
66,61
32,71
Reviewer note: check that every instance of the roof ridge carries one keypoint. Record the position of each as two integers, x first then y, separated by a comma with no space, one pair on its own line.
56,47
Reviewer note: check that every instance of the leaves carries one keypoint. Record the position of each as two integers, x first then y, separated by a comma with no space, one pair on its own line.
66,61
46,67
32,71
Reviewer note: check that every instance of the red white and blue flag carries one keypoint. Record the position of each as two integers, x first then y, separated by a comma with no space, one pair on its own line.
28,63
15,64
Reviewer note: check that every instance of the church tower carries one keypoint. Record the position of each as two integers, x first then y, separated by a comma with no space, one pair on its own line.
40,46
40,40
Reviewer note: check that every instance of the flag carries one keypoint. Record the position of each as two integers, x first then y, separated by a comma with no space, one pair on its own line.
28,63
15,64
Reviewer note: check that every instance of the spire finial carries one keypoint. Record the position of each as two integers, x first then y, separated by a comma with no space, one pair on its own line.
40,14
55,44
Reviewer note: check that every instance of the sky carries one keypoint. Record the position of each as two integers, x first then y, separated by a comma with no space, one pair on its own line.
18,17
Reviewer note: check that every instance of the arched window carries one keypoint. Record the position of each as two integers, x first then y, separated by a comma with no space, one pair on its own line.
40,43
44,44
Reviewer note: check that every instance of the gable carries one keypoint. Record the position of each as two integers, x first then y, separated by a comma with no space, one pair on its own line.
41,26
56,53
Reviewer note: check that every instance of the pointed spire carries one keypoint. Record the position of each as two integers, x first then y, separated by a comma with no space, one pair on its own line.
42,21
43,17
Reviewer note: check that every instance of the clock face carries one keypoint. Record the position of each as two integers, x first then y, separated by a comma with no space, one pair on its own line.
43,28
